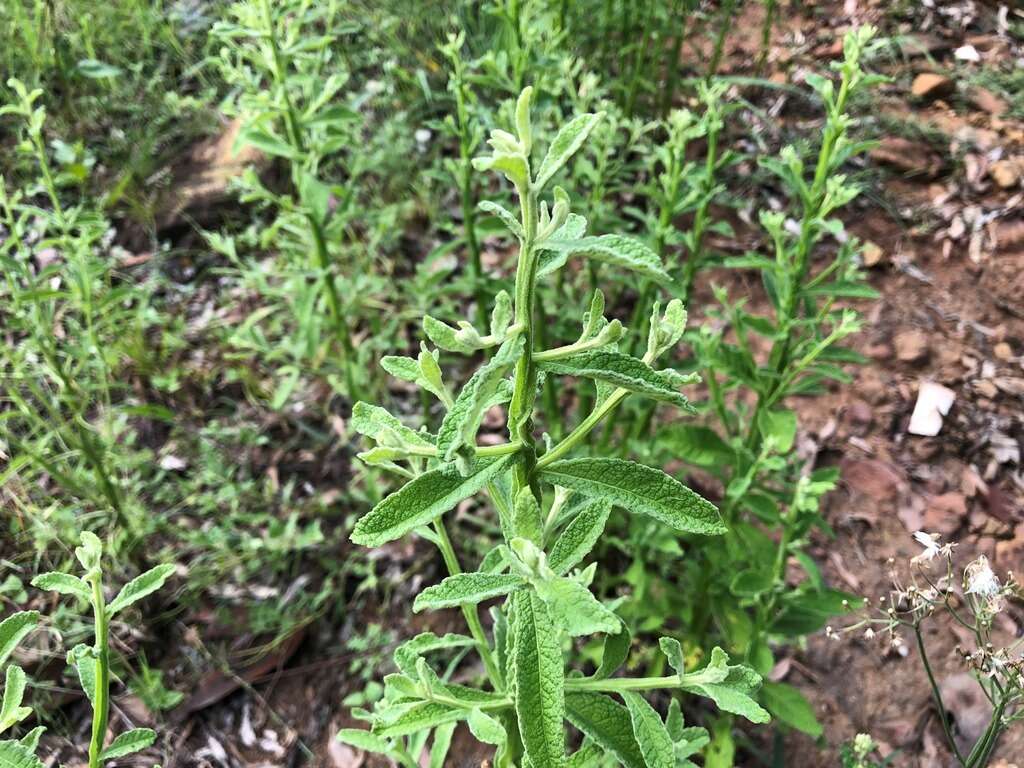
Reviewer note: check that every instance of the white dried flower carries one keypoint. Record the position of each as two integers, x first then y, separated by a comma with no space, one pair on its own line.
930,542
980,579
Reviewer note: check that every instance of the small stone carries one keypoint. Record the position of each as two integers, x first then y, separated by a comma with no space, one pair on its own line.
1003,351
872,254
911,346
933,403
1006,173
930,85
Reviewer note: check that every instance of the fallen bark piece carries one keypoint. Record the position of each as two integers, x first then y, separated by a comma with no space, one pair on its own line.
933,403
930,85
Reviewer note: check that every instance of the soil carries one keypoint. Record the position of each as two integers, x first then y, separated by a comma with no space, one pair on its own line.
947,256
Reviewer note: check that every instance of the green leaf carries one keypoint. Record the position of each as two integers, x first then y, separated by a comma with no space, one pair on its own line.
16,755
461,423
567,142
407,653
97,70
83,659
410,718
377,424
587,757
141,586
575,608
485,728
466,589
614,654
31,739
506,216
64,583
638,488
11,711
621,371
730,687
779,426
268,143
526,516
649,732
423,499
13,629
442,743
445,336
549,260
697,445
361,739
538,680
791,707
90,552
129,742
579,536
616,250
607,723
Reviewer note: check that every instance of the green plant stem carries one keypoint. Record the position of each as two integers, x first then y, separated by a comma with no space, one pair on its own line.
937,695
779,359
524,393
770,7
101,695
323,263
280,79
723,29
672,63
466,191
451,561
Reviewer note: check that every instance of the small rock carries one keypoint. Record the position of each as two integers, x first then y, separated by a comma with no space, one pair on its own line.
872,254
933,403
1011,385
1007,173
911,346
1003,351
930,85
967,53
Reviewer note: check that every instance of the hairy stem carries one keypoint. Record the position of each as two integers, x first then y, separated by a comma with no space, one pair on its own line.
451,561
101,696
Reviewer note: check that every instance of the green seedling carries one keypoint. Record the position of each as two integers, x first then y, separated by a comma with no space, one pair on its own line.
92,663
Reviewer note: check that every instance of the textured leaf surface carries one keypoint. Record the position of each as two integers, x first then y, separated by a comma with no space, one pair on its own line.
550,260
16,755
567,141
11,711
466,588
13,629
607,723
129,742
638,488
621,371
579,536
650,733
485,728
63,583
538,678
82,658
375,422
360,739
731,687
460,425
576,609
616,250
139,587
418,717
407,653
506,216
421,500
